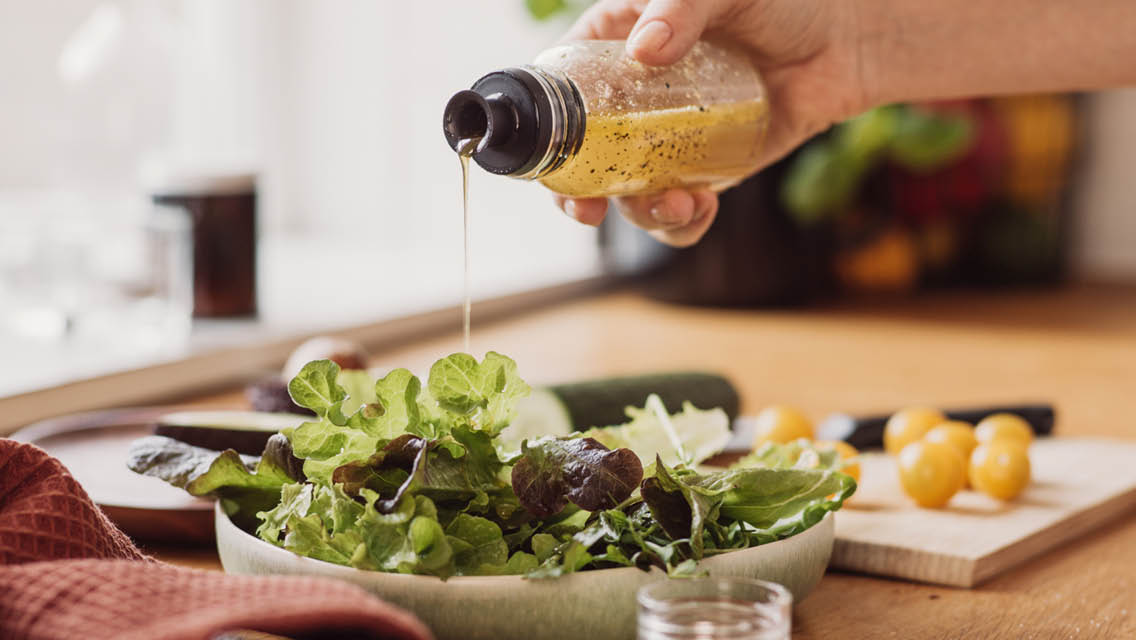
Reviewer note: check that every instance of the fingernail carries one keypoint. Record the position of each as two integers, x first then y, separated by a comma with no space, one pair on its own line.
570,209
660,213
651,37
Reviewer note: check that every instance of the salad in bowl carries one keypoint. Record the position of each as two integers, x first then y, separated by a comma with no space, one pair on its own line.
404,477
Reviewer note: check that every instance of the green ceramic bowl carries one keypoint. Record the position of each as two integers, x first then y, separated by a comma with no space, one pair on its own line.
597,605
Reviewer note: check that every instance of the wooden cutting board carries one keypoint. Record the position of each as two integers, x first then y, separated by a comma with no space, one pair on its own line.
1078,484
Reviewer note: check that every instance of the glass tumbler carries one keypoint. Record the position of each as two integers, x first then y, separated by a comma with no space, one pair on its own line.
714,609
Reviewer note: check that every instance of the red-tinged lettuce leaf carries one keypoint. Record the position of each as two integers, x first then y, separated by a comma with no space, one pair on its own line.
668,506
387,473
245,484
204,472
278,453
553,471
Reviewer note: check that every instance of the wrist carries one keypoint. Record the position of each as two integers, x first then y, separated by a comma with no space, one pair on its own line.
867,19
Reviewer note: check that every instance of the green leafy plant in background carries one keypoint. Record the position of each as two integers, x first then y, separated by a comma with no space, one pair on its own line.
407,477
825,177
545,9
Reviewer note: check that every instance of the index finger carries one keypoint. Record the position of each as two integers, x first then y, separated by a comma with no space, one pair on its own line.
606,20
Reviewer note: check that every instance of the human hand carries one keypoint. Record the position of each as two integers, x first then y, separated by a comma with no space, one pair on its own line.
806,51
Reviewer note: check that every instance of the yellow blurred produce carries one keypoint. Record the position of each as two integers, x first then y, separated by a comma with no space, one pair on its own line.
782,424
846,452
956,433
959,435
1041,132
887,264
1000,469
930,472
909,425
1004,426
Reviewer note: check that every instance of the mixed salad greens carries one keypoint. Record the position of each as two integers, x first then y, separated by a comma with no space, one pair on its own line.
403,477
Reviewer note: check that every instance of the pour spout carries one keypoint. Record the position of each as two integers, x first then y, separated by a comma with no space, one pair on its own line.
527,119
469,114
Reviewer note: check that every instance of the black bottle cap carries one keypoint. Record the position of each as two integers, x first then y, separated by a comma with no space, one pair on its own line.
507,108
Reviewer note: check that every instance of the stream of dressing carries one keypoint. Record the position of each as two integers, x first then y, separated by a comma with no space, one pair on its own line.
465,149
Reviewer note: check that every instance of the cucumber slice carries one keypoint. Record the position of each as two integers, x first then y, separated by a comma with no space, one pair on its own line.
245,431
541,413
600,403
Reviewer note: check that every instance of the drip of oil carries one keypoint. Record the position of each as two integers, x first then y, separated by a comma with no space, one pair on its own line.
465,150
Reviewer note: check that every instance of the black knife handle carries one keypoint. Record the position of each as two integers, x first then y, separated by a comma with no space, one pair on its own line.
867,432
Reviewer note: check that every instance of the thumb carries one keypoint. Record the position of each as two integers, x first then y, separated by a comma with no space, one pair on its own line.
667,29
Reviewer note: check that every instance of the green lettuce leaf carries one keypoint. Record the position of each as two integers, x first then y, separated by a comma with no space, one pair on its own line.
359,387
801,454
520,563
701,434
388,410
778,503
397,396
323,522
477,543
483,395
435,556
611,538
771,503
681,505
316,387
325,446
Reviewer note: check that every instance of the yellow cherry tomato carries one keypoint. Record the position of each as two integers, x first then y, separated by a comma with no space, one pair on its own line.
930,472
957,434
909,425
847,453
1004,426
1000,469
782,424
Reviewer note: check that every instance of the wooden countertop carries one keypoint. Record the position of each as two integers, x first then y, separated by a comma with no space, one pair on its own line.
1075,348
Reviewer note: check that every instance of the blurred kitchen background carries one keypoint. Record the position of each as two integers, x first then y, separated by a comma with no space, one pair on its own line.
146,141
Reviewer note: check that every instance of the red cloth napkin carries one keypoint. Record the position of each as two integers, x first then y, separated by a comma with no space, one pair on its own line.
68,572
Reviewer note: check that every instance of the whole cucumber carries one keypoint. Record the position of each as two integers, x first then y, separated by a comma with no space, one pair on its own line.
600,403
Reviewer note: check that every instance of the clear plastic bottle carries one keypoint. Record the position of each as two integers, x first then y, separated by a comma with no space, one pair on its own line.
586,120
